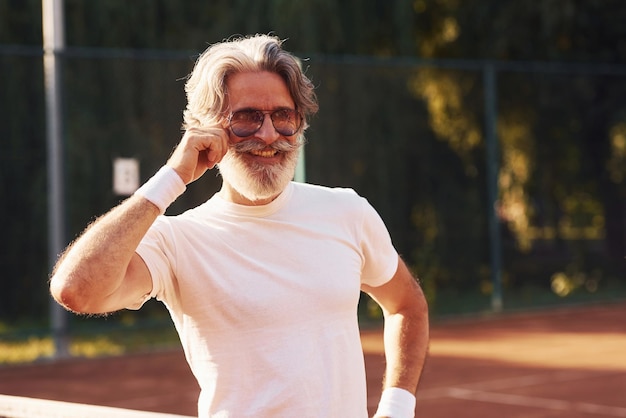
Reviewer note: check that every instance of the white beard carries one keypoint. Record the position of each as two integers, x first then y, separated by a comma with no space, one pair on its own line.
259,181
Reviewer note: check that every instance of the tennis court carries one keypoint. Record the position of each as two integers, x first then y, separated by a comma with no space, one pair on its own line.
566,362
559,363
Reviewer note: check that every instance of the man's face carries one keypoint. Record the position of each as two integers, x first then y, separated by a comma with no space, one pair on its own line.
259,165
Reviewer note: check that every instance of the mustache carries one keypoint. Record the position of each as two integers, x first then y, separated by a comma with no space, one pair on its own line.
281,145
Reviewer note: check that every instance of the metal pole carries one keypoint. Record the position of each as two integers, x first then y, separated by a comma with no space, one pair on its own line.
491,139
53,45
300,176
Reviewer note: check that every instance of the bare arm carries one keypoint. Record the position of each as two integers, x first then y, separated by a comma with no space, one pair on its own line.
100,272
406,328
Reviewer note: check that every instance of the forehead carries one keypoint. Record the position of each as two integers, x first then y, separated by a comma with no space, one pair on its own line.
259,90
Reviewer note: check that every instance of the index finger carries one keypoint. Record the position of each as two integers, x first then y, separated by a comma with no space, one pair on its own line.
215,144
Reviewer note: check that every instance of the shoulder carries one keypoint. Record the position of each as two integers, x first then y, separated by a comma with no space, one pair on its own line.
337,202
306,190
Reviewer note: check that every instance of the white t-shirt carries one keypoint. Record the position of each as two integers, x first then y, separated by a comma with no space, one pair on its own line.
264,299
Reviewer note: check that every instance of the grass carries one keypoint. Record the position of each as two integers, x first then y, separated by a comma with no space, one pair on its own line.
90,337
38,348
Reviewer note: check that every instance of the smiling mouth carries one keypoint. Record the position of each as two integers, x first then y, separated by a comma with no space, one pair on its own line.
266,153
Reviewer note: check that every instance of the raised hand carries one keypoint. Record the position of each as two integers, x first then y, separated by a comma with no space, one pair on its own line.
199,150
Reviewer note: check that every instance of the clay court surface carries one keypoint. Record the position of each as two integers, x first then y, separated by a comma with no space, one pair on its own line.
566,362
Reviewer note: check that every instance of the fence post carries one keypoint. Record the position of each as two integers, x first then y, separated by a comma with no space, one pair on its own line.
53,45
491,143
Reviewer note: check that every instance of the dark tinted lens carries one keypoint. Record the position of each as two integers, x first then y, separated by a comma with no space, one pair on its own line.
286,121
246,122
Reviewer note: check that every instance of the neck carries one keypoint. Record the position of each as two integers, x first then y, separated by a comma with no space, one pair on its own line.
228,193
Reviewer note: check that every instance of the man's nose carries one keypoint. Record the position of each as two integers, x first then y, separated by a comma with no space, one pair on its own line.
267,132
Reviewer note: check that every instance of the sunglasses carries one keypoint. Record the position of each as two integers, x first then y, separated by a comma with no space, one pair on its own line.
247,122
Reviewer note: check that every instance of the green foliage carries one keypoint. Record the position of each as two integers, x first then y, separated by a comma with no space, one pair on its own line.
522,30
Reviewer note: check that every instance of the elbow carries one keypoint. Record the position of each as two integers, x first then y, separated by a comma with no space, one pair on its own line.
415,304
422,304
419,308
67,294
415,309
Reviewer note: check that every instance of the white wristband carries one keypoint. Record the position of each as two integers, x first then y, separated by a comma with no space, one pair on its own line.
163,188
396,403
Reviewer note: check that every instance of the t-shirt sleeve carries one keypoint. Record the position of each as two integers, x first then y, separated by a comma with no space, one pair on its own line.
156,253
380,258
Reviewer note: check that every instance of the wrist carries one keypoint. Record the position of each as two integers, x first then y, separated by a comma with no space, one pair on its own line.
163,188
396,403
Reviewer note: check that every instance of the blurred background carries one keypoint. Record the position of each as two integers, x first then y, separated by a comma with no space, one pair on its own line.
490,135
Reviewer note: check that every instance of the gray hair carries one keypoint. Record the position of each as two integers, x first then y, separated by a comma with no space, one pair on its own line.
206,85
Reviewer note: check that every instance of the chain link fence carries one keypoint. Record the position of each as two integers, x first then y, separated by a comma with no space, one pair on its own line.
409,135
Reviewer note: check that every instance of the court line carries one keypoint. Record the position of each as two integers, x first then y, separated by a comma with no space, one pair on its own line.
487,391
512,382
534,402
534,379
